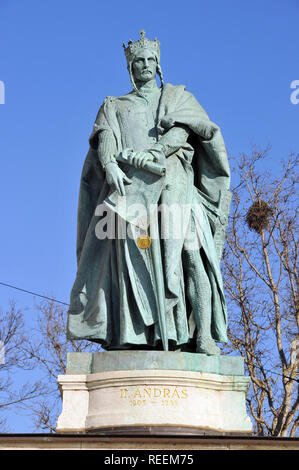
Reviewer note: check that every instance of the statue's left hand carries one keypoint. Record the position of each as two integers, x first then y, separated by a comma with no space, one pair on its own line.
139,159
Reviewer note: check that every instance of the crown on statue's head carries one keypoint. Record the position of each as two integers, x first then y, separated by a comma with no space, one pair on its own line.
142,43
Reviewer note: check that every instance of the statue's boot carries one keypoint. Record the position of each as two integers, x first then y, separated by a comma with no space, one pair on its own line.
206,345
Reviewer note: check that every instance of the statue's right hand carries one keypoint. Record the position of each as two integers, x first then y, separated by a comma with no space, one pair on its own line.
116,177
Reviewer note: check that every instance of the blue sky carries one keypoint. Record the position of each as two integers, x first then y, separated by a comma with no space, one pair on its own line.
60,59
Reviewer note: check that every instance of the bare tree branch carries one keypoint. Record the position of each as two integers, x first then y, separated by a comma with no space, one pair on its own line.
260,274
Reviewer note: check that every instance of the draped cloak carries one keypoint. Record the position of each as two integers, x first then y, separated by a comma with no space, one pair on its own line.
112,300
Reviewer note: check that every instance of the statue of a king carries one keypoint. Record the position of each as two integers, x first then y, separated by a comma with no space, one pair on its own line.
153,280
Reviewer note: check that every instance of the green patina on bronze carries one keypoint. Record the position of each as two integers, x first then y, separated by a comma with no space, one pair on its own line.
155,145
90,363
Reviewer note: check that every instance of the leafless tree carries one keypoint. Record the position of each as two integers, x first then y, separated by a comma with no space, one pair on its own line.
14,393
260,274
47,347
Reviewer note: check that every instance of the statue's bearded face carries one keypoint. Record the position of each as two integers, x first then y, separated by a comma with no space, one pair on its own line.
144,66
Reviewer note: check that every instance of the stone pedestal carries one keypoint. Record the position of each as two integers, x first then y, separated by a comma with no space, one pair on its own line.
157,392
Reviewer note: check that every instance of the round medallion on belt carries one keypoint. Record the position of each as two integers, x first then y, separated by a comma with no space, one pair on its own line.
144,242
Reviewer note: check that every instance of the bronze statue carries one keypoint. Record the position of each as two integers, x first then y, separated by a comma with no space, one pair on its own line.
137,288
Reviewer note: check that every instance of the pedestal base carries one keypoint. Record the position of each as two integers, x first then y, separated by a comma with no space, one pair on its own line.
153,399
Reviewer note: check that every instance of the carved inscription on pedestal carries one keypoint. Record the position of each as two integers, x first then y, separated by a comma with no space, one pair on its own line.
154,395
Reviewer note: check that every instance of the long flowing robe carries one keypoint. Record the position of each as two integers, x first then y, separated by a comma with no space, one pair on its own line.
113,299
